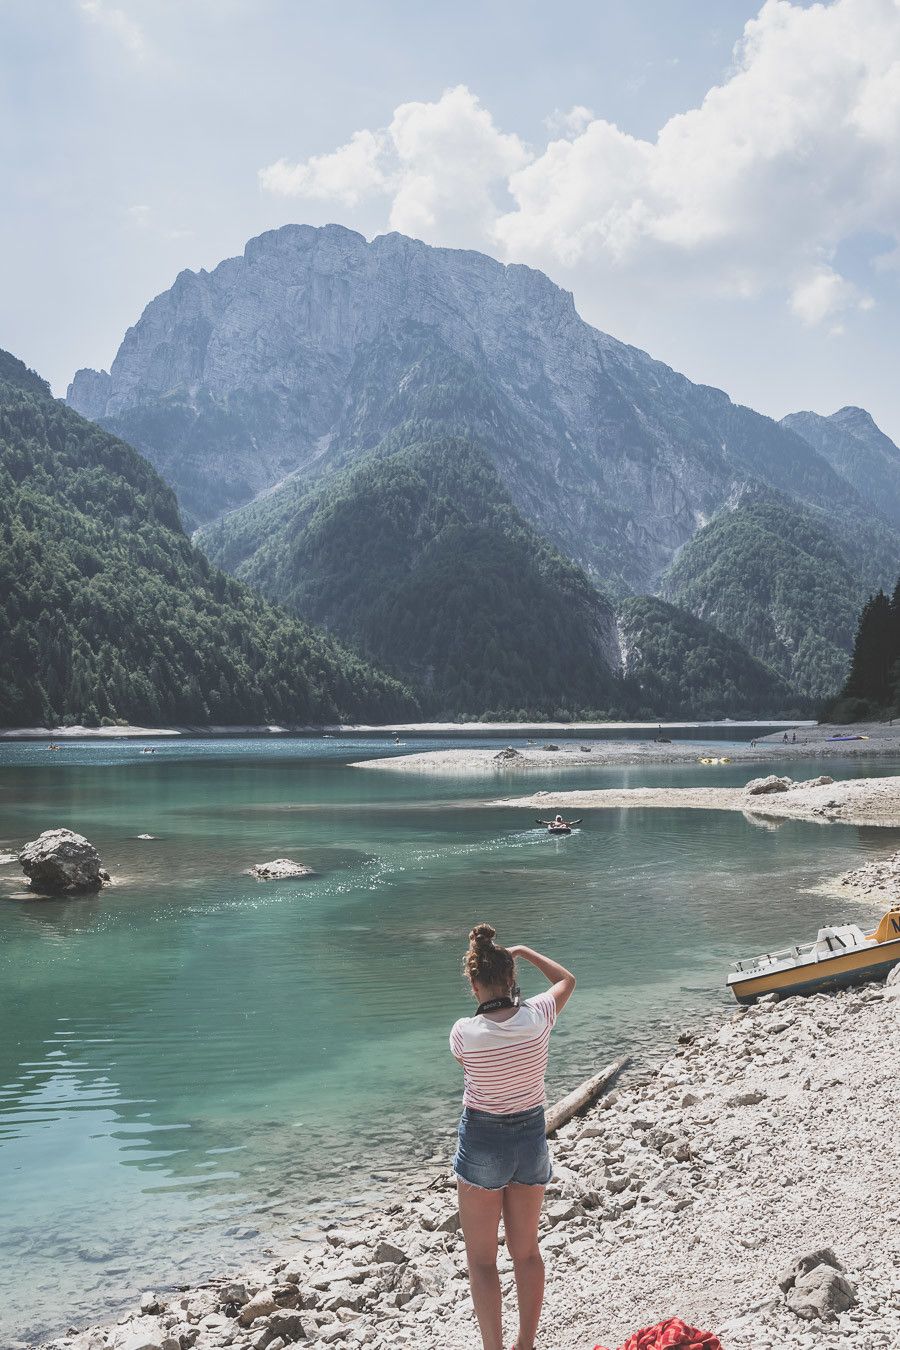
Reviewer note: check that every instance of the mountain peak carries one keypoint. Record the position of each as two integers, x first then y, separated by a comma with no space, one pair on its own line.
855,419
315,345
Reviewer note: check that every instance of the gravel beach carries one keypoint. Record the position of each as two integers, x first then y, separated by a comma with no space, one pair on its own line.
851,801
813,742
767,1135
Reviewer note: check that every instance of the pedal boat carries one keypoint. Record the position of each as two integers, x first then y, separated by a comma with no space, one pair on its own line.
838,957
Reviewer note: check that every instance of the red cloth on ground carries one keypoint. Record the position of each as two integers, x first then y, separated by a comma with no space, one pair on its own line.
673,1334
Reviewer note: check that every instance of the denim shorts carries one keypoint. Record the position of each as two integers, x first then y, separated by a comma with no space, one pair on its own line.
494,1150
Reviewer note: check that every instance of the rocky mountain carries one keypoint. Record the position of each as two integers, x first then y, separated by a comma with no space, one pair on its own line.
256,385
859,451
107,609
315,345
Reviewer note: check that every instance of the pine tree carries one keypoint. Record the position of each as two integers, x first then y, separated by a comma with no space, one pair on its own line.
874,652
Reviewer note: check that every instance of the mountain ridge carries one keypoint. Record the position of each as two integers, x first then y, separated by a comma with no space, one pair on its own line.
237,377
249,385
859,450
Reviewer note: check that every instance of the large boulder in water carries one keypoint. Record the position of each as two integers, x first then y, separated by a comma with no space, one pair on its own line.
62,862
280,870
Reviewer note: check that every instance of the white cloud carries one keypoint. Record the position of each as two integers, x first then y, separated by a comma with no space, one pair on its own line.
822,294
115,21
442,163
347,175
452,161
752,192
570,123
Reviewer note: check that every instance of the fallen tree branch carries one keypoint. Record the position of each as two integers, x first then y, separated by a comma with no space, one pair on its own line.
584,1095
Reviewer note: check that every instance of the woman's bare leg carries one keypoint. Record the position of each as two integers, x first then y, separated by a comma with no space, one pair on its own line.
479,1214
521,1212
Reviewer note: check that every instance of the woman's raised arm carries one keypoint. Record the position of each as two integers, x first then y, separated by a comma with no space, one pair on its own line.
562,980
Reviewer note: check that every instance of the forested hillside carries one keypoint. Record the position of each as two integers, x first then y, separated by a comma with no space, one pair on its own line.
675,661
108,611
418,557
774,578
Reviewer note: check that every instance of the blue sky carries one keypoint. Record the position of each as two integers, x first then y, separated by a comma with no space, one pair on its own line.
725,197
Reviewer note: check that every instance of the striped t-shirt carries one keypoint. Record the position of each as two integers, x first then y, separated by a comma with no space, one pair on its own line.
504,1062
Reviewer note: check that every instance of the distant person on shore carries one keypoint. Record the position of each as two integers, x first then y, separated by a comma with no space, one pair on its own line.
793,738
502,1162
784,738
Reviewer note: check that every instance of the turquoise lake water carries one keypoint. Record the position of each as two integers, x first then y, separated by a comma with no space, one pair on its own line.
194,1064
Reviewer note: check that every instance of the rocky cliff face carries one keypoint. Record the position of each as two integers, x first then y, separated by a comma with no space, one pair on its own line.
315,345
860,452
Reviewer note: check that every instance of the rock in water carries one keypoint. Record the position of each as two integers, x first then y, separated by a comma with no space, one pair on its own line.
61,862
279,869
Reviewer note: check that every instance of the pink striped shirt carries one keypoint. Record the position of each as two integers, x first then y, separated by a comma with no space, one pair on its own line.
504,1062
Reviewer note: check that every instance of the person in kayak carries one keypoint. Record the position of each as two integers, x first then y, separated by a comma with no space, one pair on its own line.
557,825
502,1162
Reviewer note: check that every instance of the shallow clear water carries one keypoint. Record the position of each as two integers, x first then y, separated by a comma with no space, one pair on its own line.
193,1063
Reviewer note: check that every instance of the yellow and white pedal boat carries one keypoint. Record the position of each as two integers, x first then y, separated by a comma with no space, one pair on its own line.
838,957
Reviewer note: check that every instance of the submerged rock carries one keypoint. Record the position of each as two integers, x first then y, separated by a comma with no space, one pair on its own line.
280,869
60,862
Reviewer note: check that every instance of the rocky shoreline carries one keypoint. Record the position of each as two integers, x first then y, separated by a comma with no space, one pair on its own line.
812,742
850,801
688,1191
475,729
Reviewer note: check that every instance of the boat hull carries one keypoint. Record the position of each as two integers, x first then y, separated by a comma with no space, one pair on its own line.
839,971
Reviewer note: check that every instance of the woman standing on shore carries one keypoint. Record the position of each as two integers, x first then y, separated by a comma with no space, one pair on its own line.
502,1162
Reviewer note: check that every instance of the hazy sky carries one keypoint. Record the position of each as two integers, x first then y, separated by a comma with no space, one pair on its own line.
716,181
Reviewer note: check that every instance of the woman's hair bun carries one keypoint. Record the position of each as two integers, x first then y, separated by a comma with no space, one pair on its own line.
482,934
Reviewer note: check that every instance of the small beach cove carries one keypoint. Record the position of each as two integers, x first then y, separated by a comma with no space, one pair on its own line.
205,1064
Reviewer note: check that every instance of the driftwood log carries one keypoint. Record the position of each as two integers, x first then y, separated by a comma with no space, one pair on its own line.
567,1107
584,1095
